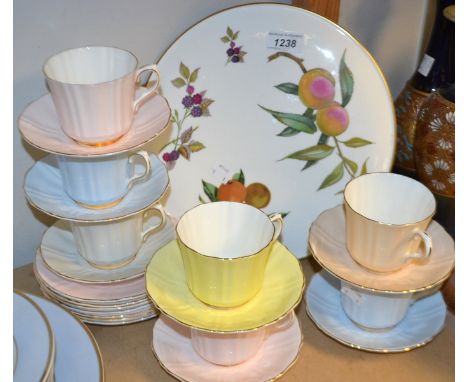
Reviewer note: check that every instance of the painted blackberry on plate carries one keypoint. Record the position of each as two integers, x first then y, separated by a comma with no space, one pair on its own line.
234,53
195,104
316,90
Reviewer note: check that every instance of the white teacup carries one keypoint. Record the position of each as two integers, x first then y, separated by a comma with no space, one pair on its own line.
373,310
113,244
101,182
386,218
93,89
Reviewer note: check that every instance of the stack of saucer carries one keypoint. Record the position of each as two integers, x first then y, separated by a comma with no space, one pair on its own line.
98,182
227,290
354,299
51,344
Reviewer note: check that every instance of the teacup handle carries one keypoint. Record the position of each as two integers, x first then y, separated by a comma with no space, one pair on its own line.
136,177
157,207
427,243
151,90
277,221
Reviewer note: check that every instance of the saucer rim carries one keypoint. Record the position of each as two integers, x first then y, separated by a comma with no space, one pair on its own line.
271,322
281,374
369,349
92,155
157,199
375,274
41,281
131,277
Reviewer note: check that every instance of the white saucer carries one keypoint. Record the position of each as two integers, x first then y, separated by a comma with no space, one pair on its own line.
424,320
39,126
44,190
35,341
77,354
173,349
61,255
327,242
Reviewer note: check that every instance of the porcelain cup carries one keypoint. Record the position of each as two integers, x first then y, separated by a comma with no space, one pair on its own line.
386,218
373,310
93,89
114,244
102,182
225,248
229,349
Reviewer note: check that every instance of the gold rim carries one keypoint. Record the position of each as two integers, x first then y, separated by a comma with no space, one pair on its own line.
50,357
388,291
377,173
123,149
100,206
103,282
339,28
88,333
374,350
115,318
417,91
71,298
289,366
294,305
120,217
228,203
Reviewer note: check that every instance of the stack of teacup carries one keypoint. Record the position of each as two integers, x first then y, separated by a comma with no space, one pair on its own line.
104,189
384,260
227,289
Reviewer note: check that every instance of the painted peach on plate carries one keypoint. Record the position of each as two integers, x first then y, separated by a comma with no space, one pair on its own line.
232,191
324,114
255,194
317,88
332,120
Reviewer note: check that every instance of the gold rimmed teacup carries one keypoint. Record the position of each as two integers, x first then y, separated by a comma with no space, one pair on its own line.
387,216
225,247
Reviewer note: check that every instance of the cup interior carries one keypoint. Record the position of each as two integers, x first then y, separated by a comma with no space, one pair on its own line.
90,65
390,198
225,229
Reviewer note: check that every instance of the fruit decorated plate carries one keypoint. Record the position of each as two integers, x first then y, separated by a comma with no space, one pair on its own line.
274,106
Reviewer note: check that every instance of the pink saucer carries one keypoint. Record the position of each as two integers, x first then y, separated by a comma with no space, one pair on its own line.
173,348
99,293
40,127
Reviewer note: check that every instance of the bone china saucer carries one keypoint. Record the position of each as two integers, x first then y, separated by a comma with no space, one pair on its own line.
327,242
61,255
424,320
44,190
40,127
282,291
173,349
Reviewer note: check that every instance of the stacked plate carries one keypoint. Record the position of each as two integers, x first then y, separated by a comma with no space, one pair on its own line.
51,344
103,297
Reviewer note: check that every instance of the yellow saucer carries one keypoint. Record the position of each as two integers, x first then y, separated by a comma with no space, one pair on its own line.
282,290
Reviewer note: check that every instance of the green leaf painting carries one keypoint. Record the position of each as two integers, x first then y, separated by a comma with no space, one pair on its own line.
324,114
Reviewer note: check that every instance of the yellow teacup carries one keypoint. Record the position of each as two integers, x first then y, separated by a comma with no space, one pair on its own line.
225,247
